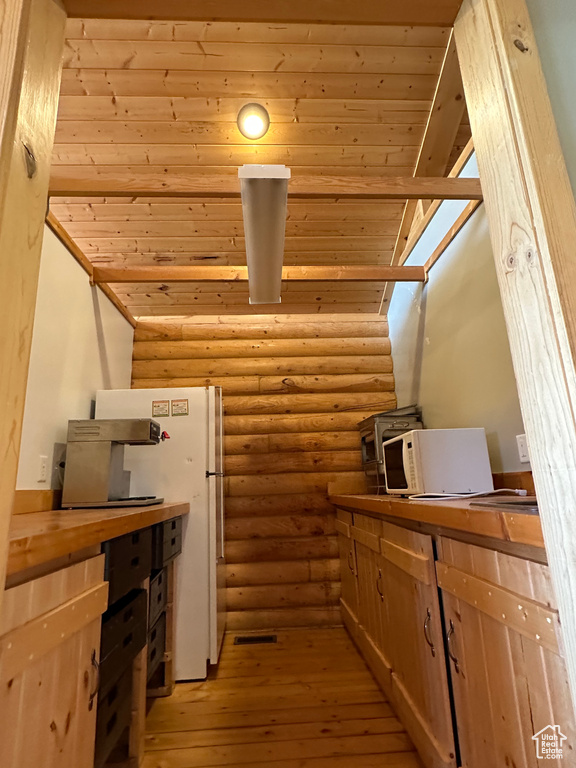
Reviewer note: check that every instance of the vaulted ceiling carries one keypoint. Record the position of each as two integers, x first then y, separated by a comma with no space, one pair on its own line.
156,102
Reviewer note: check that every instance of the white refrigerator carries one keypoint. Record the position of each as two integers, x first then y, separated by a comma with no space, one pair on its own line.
187,467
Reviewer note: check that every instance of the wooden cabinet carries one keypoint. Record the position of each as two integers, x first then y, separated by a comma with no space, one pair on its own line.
465,641
412,642
507,672
348,570
49,651
401,631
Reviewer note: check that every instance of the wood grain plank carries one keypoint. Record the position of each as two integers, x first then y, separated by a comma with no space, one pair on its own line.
250,57
116,209
247,32
420,12
310,85
197,108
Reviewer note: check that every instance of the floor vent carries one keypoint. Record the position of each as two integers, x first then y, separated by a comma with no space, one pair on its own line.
254,639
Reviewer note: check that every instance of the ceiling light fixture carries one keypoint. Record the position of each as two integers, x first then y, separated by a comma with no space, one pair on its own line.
253,121
264,190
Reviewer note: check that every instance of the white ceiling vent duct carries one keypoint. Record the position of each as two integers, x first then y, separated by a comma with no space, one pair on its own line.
264,191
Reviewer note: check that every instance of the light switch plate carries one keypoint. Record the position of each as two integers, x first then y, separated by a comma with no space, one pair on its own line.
523,449
43,469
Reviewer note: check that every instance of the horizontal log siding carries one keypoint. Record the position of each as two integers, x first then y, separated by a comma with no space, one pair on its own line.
294,392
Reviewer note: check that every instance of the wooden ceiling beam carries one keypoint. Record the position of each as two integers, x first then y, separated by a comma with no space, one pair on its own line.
444,121
108,182
195,274
440,13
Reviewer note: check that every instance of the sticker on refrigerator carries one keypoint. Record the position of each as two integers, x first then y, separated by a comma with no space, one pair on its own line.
179,407
160,407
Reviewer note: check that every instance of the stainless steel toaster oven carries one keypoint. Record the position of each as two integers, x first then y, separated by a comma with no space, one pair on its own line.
374,431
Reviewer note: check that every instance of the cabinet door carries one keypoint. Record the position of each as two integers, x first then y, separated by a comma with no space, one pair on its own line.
508,675
348,570
411,640
49,650
366,535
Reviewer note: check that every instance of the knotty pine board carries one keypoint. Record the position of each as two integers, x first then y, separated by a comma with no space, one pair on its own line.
281,449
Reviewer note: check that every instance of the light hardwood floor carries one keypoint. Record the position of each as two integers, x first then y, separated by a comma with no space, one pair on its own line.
308,701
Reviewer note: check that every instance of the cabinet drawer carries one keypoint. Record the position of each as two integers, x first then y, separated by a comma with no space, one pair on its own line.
128,562
123,636
166,542
114,715
158,596
156,645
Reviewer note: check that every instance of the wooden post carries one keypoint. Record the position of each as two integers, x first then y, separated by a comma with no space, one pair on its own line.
532,217
31,42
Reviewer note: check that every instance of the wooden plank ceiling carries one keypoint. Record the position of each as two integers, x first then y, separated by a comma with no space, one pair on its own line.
160,99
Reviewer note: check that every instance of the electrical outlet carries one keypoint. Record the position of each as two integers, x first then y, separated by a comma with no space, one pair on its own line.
523,449
43,469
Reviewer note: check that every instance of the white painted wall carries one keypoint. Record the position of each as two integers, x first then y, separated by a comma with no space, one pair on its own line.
449,340
81,343
554,23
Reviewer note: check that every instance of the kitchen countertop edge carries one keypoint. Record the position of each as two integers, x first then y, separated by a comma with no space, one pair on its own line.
39,537
455,514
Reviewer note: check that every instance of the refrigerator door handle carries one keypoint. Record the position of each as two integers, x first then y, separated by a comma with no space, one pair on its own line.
214,474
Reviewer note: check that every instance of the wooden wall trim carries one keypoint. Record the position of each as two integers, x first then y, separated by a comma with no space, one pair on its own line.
54,225
31,42
532,218
57,228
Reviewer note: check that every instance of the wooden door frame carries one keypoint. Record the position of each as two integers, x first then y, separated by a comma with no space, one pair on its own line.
532,218
31,43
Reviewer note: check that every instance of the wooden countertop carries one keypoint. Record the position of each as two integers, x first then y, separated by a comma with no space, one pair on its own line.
455,514
39,537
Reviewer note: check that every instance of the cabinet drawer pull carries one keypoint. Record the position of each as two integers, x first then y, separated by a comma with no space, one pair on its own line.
96,667
378,582
451,653
427,632
351,561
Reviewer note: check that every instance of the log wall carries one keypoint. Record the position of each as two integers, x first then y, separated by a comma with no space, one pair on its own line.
294,390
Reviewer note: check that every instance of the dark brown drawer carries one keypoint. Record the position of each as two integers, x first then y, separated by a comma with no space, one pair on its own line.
124,629
128,562
156,645
158,596
114,714
166,542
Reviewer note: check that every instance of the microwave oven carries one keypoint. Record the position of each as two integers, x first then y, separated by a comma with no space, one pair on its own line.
437,461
